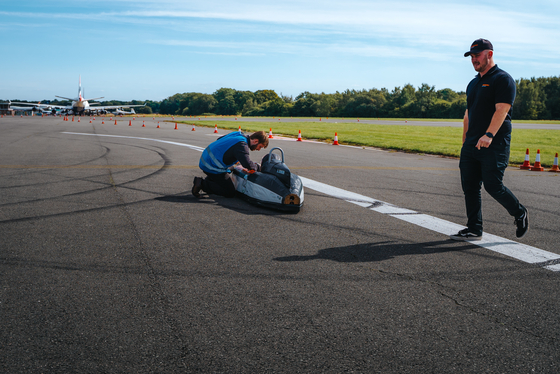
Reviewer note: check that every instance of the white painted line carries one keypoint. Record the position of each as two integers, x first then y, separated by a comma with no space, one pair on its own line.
553,267
131,137
522,252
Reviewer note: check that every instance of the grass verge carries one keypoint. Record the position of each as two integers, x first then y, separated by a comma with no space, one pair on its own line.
417,139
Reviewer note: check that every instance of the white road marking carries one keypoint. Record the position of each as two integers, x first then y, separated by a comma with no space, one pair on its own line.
132,137
522,252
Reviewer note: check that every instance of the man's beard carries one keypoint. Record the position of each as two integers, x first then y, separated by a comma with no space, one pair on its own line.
482,65
253,146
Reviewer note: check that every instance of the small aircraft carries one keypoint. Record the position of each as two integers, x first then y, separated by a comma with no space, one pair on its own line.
121,112
35,108
80,106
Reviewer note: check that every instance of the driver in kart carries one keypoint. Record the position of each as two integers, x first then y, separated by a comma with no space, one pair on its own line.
220,155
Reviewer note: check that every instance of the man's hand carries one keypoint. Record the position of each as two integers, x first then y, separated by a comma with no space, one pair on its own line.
483,142
247,171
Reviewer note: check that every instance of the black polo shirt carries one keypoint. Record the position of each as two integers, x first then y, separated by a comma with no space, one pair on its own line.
496,86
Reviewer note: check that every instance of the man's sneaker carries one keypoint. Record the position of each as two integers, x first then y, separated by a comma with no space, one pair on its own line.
465,235
197,186
522,224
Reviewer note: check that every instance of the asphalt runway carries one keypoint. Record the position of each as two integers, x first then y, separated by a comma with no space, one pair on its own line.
109,264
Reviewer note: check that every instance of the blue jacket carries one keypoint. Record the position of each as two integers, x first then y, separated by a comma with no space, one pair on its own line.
212,159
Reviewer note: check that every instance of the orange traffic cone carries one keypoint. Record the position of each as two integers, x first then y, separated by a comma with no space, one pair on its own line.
78,119
270,134
239,129
335,139
193,129
526,164
176,128
102,122
299,136
537,166
143,124
555,166
129,122
157,125
72,118
216,129
115,122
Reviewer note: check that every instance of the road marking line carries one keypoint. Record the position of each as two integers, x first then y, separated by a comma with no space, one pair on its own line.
522,252
132,137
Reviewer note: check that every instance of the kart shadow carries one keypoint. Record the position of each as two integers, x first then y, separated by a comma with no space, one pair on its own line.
374,252
232,203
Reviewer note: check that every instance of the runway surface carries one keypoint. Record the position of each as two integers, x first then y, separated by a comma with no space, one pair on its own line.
109,264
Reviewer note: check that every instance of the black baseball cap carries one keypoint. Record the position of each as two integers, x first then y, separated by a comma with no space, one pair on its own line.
479,45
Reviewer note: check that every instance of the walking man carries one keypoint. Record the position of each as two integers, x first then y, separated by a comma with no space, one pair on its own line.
486,141
220,155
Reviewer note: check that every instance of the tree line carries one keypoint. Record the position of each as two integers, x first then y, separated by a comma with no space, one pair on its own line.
537,99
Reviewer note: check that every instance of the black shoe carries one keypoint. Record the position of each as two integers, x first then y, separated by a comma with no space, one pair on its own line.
197,186
466,235
522,224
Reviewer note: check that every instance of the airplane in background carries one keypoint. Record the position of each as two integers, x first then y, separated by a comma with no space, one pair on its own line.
80,106
121,112
35,108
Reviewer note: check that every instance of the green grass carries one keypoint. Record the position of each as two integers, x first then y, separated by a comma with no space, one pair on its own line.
418,139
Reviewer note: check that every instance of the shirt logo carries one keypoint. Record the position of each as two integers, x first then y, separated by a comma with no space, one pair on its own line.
485,85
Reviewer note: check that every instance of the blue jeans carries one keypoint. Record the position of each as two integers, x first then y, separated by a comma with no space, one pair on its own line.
486,166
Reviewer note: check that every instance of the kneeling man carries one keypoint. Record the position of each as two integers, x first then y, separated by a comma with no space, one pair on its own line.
219,156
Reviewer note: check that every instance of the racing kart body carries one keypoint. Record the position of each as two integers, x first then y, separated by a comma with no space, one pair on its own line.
273,187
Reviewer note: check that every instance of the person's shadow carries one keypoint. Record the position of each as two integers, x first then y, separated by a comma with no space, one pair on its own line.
372,252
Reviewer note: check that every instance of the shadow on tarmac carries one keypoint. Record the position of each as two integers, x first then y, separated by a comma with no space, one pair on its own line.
372,252
232,203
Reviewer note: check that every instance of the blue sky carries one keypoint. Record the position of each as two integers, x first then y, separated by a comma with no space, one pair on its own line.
141,50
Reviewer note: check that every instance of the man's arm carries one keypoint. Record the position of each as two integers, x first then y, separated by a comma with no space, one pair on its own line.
241,152
498,118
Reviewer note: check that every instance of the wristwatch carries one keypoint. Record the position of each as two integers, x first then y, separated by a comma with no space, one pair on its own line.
490,135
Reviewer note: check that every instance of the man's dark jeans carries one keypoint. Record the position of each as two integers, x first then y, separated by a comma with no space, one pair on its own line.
218,184
486,166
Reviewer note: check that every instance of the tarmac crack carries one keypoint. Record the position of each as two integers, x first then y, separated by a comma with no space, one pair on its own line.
488,316
159,298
